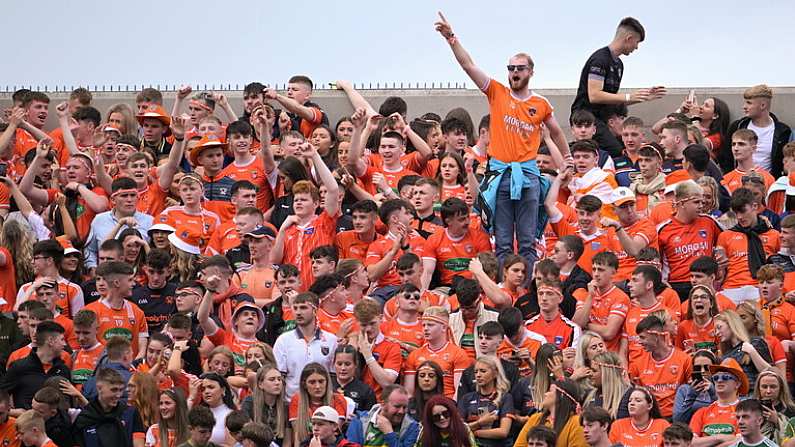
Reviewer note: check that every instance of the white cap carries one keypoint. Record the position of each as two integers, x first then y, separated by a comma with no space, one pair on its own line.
326,413
621,195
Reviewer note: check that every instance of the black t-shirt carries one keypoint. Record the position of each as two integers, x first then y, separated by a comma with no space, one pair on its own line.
603,65
473,404
358,391
90,293
467,384
282,207
158,305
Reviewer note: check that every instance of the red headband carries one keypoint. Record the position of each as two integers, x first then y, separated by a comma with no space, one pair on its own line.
550,289
201,105
435,319
123,191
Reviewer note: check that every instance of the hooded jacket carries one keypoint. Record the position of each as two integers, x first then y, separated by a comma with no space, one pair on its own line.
96,428
781,136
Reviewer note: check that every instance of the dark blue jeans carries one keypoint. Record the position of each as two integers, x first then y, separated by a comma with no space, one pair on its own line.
519,217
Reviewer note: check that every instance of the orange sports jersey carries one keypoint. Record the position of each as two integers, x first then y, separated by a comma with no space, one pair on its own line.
614,302
515,128
255,173
457,191
508,351
691,337
128,322
682,243
734,179
152,199
604,239
661,212
333,323
236,344
203,223
662,377
402,332
24,351
722,301
392,177
378,249
624,432
450,358
560,331
452,256
388,355
338,402
735,244
8,433
223,239
776,350
299,241
626,263
350,245
550,237
779,317
634,315
427,299
411,161
670,301
715,419
8,282
513,294
70,296
84,362
257,282
85,215
153,438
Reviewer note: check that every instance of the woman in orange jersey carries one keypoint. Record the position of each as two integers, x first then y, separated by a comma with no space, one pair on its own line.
452,176
514,276
754,322
171,428
560,408
750,352
697,331
610,385
644,426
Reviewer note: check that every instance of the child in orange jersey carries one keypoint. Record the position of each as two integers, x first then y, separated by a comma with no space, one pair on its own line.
86,356
704,271
354,243
603,307
633,233
333,315
382,358
645,280
747,246
405,328
589,178
696,331
30,430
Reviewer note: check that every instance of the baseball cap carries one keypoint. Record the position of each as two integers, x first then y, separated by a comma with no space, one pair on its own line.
262,231
622,195
111,128
326,413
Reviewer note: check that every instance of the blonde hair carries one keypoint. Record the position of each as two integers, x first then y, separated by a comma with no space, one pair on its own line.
130,123
614,383
713,185
784,395
184,264
581,355
758,91
19,243
696,132
735,323
30,419
756,312
501,382
266,349
686,189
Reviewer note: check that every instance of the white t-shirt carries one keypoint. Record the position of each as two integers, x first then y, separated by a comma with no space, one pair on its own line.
764,147
219,431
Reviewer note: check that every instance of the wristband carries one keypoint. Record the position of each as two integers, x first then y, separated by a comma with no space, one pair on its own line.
452,39
369,359
627,97
179,139
405,247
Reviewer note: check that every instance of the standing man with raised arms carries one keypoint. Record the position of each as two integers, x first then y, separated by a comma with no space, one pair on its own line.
601,78
517,113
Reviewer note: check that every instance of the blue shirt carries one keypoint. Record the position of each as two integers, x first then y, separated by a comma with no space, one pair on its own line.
101,227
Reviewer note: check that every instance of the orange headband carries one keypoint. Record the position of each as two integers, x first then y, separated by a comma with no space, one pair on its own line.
607,365
123,191
550,289
435,319
578,407
201,105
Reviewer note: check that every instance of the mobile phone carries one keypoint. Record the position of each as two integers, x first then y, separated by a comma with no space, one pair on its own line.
697,377
692,96
766,403
3,169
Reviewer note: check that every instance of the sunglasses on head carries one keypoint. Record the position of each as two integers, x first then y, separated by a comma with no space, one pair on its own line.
517,67
442,415
752,179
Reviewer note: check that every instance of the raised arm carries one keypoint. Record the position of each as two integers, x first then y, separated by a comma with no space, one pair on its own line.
27,185
291,105
166,172
277,251
222,101
552,196
422,147
325,176
490,288
182,93
356,99
203,314
22,202
356,164
263,123
64,122
17,116
69,228
464,59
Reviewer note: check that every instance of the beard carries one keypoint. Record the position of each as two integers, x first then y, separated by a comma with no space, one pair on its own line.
518,83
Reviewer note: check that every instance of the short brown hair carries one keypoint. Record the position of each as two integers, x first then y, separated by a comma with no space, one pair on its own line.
108,375
788,222
150,95
527,57
758,91
789,149
366,310
746,135
632,121
85,318
82,95
770,272
677,126
48,395
117,347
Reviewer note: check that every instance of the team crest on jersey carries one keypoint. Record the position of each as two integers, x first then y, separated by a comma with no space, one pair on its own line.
184,235
674,369
324,350
558,340
469,248
677,239
206,227
702,233
309,231
596,245
532,111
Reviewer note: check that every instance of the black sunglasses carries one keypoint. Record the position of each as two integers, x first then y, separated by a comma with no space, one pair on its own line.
413,296
517,67
439,417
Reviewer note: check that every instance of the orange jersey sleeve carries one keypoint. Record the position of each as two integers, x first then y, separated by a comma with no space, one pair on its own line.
735,244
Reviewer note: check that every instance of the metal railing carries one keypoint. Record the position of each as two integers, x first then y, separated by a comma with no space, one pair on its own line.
133,88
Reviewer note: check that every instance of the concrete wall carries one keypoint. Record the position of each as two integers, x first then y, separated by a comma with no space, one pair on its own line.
441,101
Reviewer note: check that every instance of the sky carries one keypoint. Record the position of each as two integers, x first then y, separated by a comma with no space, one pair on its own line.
92,42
